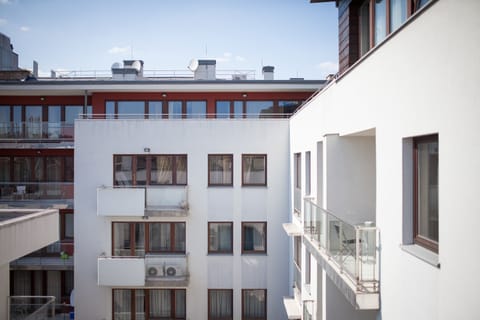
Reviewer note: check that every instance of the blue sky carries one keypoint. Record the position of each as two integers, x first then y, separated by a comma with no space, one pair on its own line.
299,38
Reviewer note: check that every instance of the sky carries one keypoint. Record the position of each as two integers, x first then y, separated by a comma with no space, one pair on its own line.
298,38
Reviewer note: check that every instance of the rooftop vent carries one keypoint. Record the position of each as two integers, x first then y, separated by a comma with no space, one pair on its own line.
268,72
203,69
131,70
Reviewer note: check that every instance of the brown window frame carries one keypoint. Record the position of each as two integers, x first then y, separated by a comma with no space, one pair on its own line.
148,169
246,251
210,184
147,237
147,302
245,156
230,251
210,317
244,317
417,238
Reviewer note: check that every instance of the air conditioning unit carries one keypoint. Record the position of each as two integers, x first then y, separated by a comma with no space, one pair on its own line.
155,271
173,271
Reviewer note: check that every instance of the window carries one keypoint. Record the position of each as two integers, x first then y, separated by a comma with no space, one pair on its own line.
155,109
150,170
175,109
254,169
364,28
130,109
238,109
254,237
259,109
138,238
220,170
139,304
220,237
220,304
196,109
222,109
297,251
398,13
254,304
288,107
308,185
308,268
425,189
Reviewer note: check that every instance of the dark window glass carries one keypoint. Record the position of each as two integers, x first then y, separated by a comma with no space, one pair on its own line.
222,109
288,107
4,121
141,170
196,109
238,109
254,304
4,169
259,109
254,237
220,304
220,237
130,109
123,170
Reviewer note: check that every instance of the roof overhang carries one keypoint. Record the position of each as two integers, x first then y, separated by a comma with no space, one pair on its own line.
292,307
292,229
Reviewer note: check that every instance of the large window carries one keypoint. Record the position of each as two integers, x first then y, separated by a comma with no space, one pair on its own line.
254,169
425,163
140,304
196,109
220,169
220,237
138,238
254,237
150,170
220,304
254,304
259,109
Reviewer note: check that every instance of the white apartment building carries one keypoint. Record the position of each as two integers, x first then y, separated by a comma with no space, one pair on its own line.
384,169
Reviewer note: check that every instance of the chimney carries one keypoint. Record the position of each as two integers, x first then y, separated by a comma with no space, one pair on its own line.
268,72
206,70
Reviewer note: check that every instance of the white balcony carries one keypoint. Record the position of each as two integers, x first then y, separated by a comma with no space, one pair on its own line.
153,270
162,201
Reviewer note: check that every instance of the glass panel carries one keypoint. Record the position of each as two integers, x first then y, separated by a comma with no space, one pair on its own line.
179,245
364,27
398,13
139,239
121,239
427,190
307,173
68,225
54,284
4,170
222,109
254,170
38,169
89,112
68,169
122,304
4,121
259,109
33,121
22,169
131,109
71,113
160,239
110,109
175,109
254,304
139,304
160,303
220,169
180,305
181,169
380,20
238,109
54,121
254,236
220,304
155,109
54,169
220,237
196,109
161,171
123,170
17,121
288,107
141,171
68,285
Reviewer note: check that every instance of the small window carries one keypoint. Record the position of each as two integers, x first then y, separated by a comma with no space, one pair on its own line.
425,191
220,237
254,304
220,304
220,170
254,237
254,170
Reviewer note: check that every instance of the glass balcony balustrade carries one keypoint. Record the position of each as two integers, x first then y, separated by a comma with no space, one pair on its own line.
352,248
31,307
18,191
36,131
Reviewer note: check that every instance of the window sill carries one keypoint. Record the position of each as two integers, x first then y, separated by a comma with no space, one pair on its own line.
220,254
422,254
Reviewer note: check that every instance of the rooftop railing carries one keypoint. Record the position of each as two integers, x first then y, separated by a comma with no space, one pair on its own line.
352,248
36,130
19,191
186,116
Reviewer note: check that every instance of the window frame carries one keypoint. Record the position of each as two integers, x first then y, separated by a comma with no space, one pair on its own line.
244,316
230,251
418,239
265,233
210,184
228,291
244,157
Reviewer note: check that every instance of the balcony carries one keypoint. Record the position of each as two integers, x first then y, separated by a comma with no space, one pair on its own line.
160,201
153,270
348,253
50,131
31,307
57,256
32,191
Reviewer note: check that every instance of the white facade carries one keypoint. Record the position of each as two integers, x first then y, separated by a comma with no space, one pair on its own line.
422,80
96,141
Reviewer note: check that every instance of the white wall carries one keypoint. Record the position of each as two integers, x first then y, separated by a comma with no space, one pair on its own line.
423,80
97,140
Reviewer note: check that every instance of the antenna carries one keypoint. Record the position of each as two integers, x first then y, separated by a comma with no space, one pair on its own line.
206,50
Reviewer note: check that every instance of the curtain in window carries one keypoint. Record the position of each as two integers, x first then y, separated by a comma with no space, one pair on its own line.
254,170
122,304
398,13
140,239
254,304
139,304
123,170
225,237
181,169
54,285
220,304
160,237
220,169
160,303
179,244
121,239
161,170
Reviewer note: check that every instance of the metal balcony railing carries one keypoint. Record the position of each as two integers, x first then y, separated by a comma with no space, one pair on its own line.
36,131
17,191
31,307
352,248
